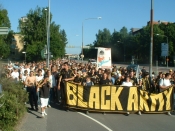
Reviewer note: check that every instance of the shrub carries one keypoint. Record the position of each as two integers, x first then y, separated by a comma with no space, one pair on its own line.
14,108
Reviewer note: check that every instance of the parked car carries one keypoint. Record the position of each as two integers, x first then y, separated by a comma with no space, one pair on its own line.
92,61
133,67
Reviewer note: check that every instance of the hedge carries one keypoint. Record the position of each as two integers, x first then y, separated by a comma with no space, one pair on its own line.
14,104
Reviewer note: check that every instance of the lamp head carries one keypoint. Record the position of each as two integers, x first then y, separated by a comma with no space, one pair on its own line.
99,18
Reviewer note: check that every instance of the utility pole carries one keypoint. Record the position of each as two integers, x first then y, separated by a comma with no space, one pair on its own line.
151,44
48,36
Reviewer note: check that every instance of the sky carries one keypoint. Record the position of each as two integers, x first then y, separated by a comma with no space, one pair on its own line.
71,15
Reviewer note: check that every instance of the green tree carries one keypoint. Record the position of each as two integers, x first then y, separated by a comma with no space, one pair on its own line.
103,38
169,31
116,46
33,31
5,40
124,32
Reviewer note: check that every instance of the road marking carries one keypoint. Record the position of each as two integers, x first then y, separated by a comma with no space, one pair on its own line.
95,121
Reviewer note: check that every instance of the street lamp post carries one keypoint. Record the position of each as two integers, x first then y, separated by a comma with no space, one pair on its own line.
151,42
48,36
168,47
82,55
46,32
24,54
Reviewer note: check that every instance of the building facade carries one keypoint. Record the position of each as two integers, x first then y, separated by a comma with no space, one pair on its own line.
16,48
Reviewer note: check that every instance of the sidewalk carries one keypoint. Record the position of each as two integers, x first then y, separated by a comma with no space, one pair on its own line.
32,121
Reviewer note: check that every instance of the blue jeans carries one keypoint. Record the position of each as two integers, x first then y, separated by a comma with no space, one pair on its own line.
51,95
38,96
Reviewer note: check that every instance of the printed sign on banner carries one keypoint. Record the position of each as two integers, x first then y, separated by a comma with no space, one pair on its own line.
117,98
104,58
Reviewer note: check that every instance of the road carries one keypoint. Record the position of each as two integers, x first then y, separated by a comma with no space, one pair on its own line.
60,120
155,69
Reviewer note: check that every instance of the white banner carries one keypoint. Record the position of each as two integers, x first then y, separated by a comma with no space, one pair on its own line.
104,58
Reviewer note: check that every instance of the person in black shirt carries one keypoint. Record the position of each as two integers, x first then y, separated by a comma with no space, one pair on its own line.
44,90
66,74
99,75
78,78
55,73
92,74
105,80
133,78
84,76
143,70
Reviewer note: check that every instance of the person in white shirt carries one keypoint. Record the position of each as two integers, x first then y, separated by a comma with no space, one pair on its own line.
25,68
24,78
15,74
10,67
39,77
165,82
127,82
39,67
52,86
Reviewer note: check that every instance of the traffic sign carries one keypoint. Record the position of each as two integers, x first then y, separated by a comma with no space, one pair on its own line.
4,30
164,49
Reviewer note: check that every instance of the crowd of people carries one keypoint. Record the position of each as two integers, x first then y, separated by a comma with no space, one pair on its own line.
47,84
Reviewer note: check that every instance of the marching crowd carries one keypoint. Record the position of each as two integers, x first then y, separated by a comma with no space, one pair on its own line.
47,85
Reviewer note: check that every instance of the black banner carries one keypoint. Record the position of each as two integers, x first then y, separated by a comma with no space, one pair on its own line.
117,98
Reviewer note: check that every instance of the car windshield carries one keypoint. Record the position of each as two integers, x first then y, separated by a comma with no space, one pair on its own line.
92,60
134,67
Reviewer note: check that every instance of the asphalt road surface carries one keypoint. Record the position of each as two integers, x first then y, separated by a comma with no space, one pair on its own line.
61,120
154,68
